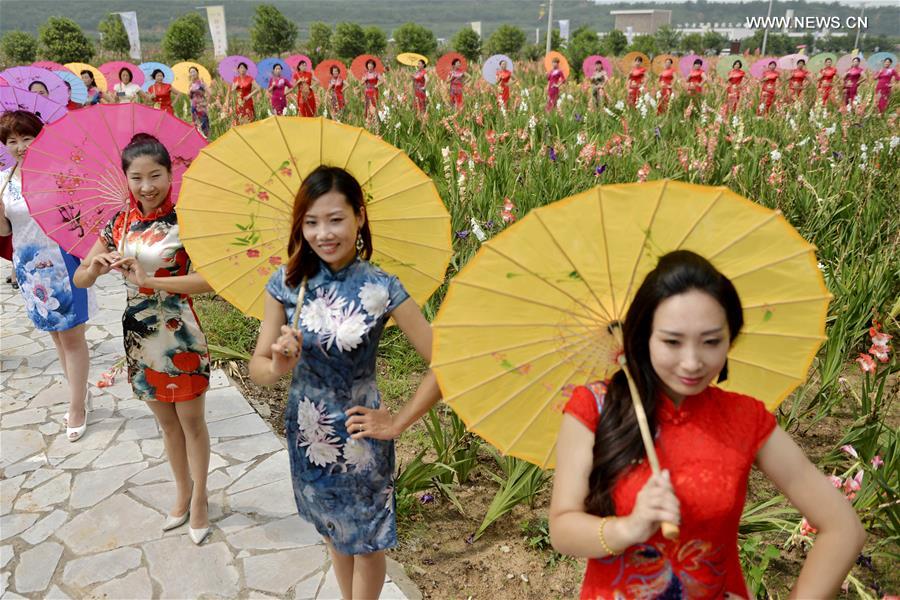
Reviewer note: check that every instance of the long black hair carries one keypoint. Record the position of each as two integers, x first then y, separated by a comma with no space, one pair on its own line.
304,262
144,144
617,442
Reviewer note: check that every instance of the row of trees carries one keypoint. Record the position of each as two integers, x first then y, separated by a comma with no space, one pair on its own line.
271,33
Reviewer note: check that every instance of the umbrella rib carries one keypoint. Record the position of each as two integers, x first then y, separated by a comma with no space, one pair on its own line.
398,192
420,244
764,368
783,302
529,324
217,211
349,154
234,193
512,369
101,166
382,166
287,146
80,201
411,266
201,236
612,290
644,243
537,378
224,287
572,264
546,281
590,318
445,217
237,132
506,348
233,254
540,411
699,220
770,264
769,218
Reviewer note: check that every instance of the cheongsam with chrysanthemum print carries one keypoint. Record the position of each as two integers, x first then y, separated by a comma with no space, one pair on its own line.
165,349
708,444
342,486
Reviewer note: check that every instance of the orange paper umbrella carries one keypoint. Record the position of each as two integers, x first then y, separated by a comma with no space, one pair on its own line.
358,66
323,70
628,59
563,63
445,64
659,63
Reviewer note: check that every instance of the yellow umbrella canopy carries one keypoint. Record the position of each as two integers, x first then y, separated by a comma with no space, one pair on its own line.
99,78
182,81
411,59
527,319
236,202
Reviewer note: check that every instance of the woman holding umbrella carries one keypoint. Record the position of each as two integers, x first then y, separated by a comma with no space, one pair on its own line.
336,91
199,97
695,79
666,82
735,83
798,80
340,435
636,80
165,348
371,82
457,80
277,86
126,90
161,92
94,94
306,98
419,79
885,79
826,81
44,271
555,79
852,78
246,87
504,78
608,507
768,88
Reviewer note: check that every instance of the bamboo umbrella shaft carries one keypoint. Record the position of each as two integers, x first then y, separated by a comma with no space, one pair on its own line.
300,295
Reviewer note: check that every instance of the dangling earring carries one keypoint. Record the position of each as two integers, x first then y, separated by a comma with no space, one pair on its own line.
360,244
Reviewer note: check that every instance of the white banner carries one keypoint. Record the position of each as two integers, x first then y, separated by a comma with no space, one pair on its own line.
564,30
129,21
216,17
476,27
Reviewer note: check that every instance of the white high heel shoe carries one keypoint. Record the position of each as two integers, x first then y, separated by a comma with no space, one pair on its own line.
87,393
173,522
73,434
198,535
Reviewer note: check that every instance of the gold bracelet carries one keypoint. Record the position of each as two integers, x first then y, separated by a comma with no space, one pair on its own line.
603,543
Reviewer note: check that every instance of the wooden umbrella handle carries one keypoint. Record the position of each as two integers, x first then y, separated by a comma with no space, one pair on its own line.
300,295
670,530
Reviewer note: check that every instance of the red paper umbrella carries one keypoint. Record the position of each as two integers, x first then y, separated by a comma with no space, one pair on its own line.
358,66
445,64
323,71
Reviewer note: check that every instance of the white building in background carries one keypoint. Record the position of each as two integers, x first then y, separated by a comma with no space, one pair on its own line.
731,31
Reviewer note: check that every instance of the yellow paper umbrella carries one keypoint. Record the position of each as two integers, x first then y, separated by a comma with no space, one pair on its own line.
528,318
99,78
411,59
626,62
182,81
236,200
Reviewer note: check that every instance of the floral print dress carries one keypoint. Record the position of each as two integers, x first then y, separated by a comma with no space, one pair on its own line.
344,487
165,348
43,269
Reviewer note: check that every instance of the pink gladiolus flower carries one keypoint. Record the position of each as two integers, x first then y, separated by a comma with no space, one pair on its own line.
836,481
877,462
880,352
866,363
806,528
853,485
850,450
643,172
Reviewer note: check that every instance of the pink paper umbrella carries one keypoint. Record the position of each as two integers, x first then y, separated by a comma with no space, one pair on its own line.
228,67
294,59
686,64
72,175
589,65
846,61
760,66
6,159
47,110
112,69
25,78
789,61
49,64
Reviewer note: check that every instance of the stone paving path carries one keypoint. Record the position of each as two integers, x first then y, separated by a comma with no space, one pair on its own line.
84,520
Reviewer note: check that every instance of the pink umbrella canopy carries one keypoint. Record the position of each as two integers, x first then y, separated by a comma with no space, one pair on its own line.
294,59
789,61
489,69
112,69
25,77
48,111
759,67
589,65
686,64
845,62
49,64
228,67
72,175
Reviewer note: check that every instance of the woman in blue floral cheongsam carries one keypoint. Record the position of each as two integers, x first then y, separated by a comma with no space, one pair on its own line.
340,438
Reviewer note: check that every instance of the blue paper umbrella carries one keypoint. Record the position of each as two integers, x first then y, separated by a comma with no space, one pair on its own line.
149,67
264,70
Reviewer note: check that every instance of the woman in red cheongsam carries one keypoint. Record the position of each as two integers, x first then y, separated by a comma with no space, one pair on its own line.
666,80
336,91
636,80
826,81
371,83
735,83
306,98
608,507
768,88
161,92
456,79
246,88
695,80
798,80
852,79
504,77
884,78
555,78
419,80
